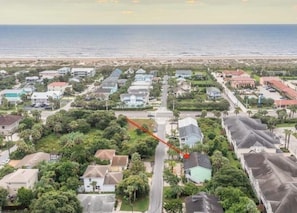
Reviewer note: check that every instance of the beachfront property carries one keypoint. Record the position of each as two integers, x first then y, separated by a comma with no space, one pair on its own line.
49,74
9,124
83,72
197,168
234,73
249,135
57,86
110,83
32,79
20,178
13,96
43,97
204,203
116,73
189,132
183,73
213,93
64,70
273,178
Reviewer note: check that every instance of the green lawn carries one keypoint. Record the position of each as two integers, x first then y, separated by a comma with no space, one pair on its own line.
140,205
285,125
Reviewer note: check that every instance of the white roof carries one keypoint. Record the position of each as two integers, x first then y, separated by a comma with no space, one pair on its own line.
45,95
186,122
82,69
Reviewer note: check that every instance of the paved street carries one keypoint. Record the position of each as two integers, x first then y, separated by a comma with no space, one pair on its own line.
156,191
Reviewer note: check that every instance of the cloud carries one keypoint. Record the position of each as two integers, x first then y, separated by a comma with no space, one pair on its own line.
127,12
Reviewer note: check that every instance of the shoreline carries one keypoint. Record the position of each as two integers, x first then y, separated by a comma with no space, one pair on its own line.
149,58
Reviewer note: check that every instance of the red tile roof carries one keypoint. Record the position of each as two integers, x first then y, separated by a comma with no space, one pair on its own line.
285,102
233,72
6,120
58,84
242,78
120,160
291,93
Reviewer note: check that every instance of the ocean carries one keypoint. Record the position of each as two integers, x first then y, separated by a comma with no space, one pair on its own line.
114,41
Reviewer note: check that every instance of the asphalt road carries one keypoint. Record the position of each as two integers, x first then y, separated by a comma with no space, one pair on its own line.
156,191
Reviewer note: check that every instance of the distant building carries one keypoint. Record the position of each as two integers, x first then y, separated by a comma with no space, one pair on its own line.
273,178
249,135
57,86
234,73
242,81
9,123
189,132
134,100
203,203
43,97
83,72
32,79
49,74
197,167
13,96
213,93
20,178
116,73
64,70
140,71
110,83
183,73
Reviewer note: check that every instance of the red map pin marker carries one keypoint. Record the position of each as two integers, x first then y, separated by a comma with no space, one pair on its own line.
186,155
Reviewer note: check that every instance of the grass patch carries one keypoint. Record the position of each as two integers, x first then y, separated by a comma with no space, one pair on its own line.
149,122
140,205
48,143
285,125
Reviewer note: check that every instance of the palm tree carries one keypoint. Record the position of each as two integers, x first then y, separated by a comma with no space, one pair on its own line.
237,110
249,112
289,137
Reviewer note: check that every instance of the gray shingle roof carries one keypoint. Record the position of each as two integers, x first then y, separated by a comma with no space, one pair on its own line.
277,178
93,203
197,159
247,132
189,130
203,203
9,119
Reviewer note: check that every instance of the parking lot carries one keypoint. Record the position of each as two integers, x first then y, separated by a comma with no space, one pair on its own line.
269,94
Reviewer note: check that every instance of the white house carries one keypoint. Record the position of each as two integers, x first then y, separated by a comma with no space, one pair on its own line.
49,74
20,178
213,93
57,86
42,97
134,100
249,135
64,70
83,72
31,79
9,123
189,132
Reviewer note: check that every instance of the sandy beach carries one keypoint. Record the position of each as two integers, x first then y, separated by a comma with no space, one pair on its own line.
154,61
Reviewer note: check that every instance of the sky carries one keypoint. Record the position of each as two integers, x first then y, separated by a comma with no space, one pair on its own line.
148,12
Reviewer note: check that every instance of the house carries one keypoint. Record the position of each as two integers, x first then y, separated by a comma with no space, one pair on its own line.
265,80
189,132
105,154
119,163
242,81
20,178
93,177
83,72
13,96
116,73
110,83
140,71
197,167
93,203
57,86
213,93
273,178
134,100
203,203
102,94
43,97
32,79
143,77
234,73
9,124
249,135
32,160
64,70
183,73
96,178
49,74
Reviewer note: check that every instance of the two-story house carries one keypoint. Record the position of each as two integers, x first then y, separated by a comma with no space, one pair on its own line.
9,124
189,132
